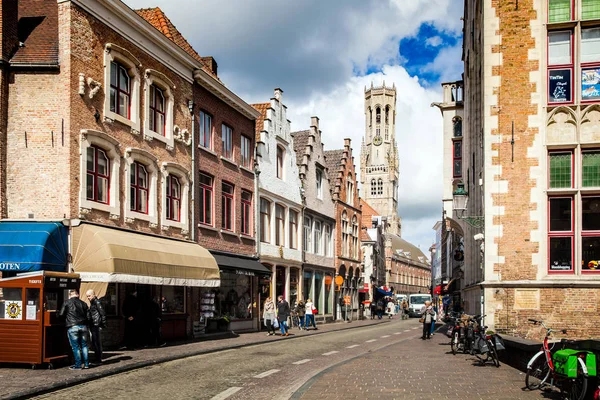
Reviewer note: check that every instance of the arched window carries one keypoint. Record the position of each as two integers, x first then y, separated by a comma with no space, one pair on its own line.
380,186
387,114
457,126
378,115
370,116
345,234
373,187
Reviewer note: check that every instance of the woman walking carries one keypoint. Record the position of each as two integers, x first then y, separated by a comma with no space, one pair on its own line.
428,314
283,313
269,316
310,317
301,310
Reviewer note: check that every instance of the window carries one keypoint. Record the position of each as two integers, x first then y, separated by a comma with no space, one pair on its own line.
560,170
560,234
265,220
138,187
354,244
590,169
590,68
457,126
98,175
559,11
590,9
373,187
387,114
279,225
173,198
157,110
457,159
378,115
206,130
590,241
307,237
345,251
380,186
350,190
560,64
317,237
280,157
205,199
327,244
226,206
293,229
319,178
246,152
226,138
246,213
120,90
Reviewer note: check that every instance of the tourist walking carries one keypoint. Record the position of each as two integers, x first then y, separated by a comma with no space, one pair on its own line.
283,313
428,313
301,311
310,316
97,320
75,313
269,316
404,309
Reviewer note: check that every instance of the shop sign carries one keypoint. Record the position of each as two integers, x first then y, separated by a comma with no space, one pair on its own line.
12,309
559,86
62,283
347,300
366,286
244,272
10,266
590,84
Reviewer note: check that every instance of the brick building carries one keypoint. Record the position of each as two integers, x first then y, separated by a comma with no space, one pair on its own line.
531,86
348,257
319,220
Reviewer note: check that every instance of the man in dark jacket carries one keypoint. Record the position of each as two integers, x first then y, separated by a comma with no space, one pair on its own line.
97,318
75,313
283,312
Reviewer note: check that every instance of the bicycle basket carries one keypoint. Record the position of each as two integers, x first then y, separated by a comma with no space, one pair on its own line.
499,343
482,345
565,362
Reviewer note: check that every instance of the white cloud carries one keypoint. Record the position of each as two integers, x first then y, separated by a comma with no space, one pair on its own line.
434,41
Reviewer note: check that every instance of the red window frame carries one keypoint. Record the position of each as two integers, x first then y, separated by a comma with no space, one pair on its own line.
246,213
246,151
556,67
173,199
206,198
280,157
157,97
279,225
588,234
97,176
116,86
226,139
136,189
206,128
587,65
227,212
572,166
562,234
293,229
455,158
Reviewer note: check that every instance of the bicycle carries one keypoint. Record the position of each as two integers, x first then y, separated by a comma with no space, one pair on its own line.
566,368
482,345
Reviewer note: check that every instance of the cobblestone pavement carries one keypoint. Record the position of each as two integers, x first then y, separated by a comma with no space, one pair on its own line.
386,361
22,381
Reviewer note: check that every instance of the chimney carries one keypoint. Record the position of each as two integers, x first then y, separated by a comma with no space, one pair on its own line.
278,93
211,64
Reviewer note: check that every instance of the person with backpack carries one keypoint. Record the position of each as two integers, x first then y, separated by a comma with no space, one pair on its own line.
97,318
427,319
301,311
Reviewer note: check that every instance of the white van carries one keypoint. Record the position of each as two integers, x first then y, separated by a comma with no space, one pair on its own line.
416,302
400,298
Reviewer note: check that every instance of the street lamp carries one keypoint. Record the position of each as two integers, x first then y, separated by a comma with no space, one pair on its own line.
460,198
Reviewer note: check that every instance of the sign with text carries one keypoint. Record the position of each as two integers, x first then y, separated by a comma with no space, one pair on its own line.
347,300
590,83
559,86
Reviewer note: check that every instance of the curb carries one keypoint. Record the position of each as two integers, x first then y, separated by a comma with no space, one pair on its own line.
25,394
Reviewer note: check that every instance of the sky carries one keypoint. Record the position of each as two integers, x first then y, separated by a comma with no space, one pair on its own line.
322,54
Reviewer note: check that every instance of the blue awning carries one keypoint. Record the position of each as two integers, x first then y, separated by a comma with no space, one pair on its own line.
33,246
384,292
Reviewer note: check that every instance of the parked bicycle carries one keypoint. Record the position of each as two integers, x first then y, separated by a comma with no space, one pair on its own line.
469,336
567,369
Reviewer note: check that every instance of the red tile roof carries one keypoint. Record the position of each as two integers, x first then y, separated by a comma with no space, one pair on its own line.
38,31
262,108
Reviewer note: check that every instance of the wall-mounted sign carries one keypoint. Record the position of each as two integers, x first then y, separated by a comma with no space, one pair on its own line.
7,266
559,86
590,84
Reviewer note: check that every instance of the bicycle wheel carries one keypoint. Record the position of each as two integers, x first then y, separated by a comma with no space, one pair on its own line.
579,384
537,372
493,353
454,343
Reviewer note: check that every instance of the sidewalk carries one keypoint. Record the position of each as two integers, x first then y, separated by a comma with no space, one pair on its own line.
20,381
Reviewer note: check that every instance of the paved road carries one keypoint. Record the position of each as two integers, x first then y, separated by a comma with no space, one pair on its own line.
386,361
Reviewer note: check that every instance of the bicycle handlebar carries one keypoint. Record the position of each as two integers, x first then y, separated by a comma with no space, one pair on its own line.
538,322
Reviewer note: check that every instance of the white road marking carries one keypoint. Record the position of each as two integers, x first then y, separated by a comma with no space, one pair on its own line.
330,353
226,393
408,330
416,327
353,346
267,373
397,333
301,361
371,341
384,336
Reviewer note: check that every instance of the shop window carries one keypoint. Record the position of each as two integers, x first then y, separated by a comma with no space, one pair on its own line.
138,188
307,234
307,285
319,179
246,152
173,198
590,172
318,291
97,175
246,213
110,301
205,199
11,303
173,299
279,225
227,206
560,170
226,142
265,221
328,296
280,282
294,281
235,298
561,234
206,128
280,160
318,237
293,229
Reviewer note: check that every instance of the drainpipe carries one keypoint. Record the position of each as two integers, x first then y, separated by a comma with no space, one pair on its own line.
193,227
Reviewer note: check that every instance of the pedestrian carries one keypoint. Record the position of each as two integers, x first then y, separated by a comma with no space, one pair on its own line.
97,319
404,309
427,317
434,318
390,307
310,316
373,308
380,308
75,313
283,313
269,316
301,310
130,313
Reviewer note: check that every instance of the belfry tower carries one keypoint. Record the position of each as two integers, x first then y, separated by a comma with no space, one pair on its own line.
379,155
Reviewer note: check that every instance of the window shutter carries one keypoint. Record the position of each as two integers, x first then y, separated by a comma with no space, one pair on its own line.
559,10
590,9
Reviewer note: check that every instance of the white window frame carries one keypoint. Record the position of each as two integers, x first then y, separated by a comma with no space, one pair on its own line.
114,53
327,240
150,162
319,179
183,175
110,145
306,237
158,79
318,235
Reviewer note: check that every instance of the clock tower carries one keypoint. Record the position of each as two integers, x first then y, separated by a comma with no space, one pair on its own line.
379,155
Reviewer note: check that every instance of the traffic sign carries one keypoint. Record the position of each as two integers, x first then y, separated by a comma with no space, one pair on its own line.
339,280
